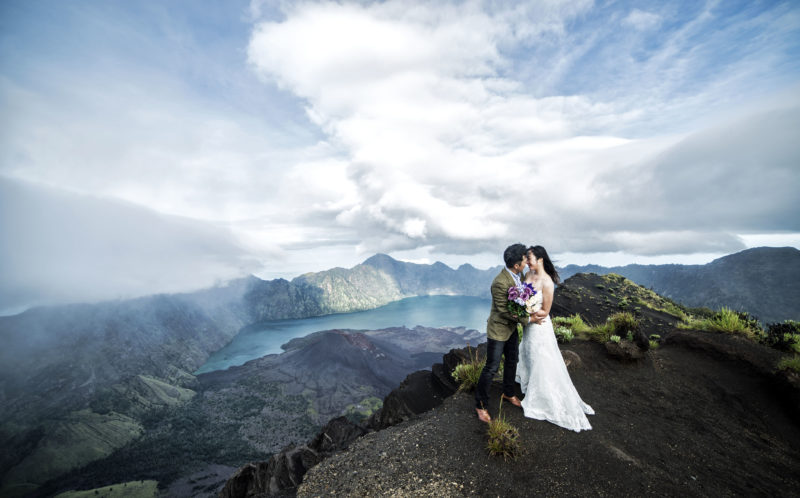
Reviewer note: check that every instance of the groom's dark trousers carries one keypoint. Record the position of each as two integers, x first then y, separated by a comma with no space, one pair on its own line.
501,333
494,352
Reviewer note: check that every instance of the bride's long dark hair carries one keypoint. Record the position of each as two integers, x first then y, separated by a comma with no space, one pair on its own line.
539,252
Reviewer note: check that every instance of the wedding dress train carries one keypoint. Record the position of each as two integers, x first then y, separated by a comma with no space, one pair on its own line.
548,389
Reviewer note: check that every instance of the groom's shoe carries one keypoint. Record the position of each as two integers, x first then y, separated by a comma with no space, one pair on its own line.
513,400
483,415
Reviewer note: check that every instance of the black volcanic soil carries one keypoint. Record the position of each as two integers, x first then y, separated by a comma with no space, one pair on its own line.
699,416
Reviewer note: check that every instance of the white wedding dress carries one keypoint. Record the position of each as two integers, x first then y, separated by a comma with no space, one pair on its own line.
548,389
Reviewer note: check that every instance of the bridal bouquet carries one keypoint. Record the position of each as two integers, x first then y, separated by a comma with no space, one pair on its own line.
523,301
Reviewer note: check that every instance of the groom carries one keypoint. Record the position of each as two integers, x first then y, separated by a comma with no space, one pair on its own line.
501,331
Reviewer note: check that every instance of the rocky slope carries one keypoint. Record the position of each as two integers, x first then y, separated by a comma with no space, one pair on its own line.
703,414
764,281
680,422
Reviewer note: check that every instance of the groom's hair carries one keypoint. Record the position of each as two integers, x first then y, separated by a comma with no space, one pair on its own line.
514,254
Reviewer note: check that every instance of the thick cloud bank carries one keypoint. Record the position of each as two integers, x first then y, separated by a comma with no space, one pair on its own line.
60,247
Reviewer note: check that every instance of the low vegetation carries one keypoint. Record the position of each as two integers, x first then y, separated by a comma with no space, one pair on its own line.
468,373
574,323
133,489
503,437
563,334
728,321
784,336
635,296
226,428
654,341
790,363
363,409
624,323
75,440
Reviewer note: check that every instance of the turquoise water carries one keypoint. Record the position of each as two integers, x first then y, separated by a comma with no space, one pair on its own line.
430,311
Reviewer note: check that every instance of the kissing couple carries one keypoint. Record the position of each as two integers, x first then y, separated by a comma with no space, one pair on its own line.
535,363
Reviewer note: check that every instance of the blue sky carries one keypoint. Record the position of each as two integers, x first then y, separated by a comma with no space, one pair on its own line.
277,138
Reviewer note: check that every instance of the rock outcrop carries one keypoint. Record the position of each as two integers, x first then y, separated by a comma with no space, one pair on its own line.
285,470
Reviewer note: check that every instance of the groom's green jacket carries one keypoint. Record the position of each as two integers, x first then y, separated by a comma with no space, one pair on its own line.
501,324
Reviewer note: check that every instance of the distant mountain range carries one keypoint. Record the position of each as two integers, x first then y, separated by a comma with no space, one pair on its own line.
763,281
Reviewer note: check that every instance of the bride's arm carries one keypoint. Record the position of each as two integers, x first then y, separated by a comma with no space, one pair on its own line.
547,299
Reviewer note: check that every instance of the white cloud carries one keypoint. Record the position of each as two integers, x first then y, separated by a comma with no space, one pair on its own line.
415,99
642,20
449,151
437,130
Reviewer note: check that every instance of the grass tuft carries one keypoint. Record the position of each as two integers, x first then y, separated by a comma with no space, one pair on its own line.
503,437
790,363
784,336
623,323
728,321
615,338
576,326
575,323
468,373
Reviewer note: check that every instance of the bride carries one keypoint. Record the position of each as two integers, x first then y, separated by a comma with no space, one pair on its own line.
541,372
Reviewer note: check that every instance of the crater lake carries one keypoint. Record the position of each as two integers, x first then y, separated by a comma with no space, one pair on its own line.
261,339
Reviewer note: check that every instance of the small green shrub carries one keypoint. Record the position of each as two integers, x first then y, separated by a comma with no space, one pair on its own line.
600,286
790,363
623,323
575,323
629,337
600,333
653,344
468,373
655,337
623,304
614,338
503,437
563,334
783,336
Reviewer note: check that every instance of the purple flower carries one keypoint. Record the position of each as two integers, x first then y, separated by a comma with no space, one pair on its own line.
513,293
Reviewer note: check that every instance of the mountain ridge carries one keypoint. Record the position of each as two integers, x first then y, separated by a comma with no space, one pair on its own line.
763,281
